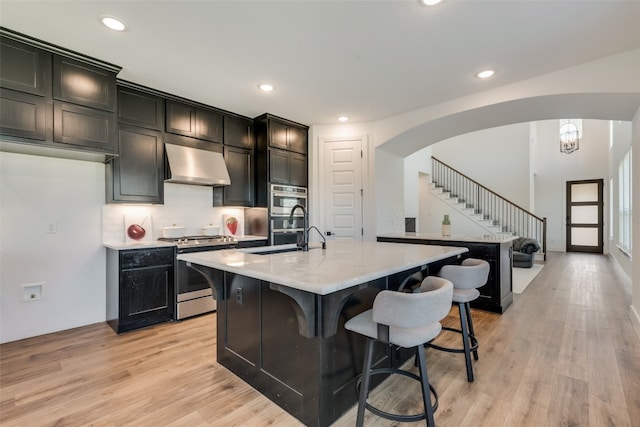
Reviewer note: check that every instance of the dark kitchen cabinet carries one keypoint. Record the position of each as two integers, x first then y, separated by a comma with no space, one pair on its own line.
287,168
140,287
496,295
196,122
25,68
286,135
238,132
240,166
280,144
52,98
22,115
83,84
140,109
84,127
137,174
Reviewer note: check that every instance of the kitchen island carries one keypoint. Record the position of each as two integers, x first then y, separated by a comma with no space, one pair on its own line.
497,249
280,321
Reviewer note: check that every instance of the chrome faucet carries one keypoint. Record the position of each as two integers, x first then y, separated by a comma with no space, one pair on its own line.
304,244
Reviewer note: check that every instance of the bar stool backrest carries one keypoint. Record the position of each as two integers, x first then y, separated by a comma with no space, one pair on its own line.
472,274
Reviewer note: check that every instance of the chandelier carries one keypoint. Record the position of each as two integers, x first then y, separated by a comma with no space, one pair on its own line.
569,137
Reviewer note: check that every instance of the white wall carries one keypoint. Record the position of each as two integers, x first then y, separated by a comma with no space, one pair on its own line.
415,167
635,277
553,169
621,133
34,193
497,158
389,193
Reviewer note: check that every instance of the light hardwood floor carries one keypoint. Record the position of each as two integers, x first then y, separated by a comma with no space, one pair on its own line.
564,354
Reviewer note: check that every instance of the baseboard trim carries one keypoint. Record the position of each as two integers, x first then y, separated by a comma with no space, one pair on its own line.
635,320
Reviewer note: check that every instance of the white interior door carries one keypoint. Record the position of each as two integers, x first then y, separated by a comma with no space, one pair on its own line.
343,189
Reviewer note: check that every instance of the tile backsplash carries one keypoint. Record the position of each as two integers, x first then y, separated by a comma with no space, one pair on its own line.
186,206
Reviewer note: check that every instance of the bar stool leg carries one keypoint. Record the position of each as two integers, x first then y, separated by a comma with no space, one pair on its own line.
364,386
426,394
467,307
465,341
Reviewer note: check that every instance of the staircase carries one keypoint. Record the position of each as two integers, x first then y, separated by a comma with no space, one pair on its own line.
486,208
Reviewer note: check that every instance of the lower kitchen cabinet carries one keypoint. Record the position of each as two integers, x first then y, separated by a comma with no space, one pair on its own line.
140,287
496,296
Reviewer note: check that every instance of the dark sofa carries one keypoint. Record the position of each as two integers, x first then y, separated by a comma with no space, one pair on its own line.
524,250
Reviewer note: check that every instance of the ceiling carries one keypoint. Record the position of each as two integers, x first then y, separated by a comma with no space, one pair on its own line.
364,59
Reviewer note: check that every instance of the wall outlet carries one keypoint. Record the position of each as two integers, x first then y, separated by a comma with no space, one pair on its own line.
32,291
52,227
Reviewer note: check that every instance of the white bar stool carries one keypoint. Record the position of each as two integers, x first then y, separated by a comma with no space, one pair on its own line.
407,320
466,278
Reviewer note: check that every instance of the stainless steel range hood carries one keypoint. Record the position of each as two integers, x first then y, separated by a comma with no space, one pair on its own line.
198,167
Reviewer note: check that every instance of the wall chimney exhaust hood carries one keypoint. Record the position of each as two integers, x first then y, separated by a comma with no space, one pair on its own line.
197,167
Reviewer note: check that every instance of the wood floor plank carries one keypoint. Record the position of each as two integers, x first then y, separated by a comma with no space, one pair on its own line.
565,353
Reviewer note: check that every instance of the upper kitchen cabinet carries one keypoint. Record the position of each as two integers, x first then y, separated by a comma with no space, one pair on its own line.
25,68
239,158
140,109
281,147
196,122
80,83
53,98
240,192
238,132
137,174
285,134
25,97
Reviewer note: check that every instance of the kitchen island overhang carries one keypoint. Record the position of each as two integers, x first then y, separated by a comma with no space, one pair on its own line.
281,316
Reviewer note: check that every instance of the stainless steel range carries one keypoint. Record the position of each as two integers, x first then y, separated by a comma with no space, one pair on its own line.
193,293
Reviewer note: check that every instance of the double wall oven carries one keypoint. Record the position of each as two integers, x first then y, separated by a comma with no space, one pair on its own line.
283,198
193,293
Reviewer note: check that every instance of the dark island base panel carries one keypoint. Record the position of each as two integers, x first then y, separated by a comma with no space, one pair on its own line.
312,378
496,296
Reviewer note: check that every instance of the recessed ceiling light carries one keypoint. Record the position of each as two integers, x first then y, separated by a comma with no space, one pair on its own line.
343,118
265,87
485,74
429,2
113,23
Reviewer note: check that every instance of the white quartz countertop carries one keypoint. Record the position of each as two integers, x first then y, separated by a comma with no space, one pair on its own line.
123,246
342,265
492,238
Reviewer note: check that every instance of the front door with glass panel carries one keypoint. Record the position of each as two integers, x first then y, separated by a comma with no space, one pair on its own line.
584,216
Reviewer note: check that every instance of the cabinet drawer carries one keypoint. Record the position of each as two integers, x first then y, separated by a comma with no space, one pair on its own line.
146,257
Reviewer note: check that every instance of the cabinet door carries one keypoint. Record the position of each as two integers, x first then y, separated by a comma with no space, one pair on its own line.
208,125
297,170
181,118
22,115
140,109
278,167
84,127
240,165
83,84
238,132
242,316
146,297
24,68
138,171
278,134
297,139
